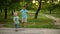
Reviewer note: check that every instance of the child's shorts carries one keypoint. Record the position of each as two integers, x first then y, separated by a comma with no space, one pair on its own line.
24,19
16,25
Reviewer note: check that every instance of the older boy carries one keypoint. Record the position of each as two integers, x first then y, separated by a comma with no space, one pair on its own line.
24,16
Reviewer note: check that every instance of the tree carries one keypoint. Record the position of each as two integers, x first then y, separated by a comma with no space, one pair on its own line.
36,14
51,7
56,6
8,3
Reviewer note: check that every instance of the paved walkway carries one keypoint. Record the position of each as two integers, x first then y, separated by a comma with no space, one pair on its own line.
29,31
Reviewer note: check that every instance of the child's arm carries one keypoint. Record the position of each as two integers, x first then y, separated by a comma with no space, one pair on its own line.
19,19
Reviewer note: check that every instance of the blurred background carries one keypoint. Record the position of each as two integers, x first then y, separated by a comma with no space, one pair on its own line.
37,11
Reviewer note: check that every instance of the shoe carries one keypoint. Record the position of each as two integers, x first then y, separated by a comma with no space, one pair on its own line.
16,30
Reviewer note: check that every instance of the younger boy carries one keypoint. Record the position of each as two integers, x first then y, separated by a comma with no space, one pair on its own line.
16,20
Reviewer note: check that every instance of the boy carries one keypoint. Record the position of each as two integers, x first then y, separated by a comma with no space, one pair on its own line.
16,20
24,16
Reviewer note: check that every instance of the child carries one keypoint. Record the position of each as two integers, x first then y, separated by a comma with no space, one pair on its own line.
16,20
24,12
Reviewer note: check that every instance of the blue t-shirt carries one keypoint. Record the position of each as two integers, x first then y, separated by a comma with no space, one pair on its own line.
24,13
16,19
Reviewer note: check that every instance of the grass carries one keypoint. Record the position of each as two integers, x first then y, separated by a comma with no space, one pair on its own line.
41,22
55,13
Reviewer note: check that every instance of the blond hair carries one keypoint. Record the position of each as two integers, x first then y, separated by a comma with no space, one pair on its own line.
15,13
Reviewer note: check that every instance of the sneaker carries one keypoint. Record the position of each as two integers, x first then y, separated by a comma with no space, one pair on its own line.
16,30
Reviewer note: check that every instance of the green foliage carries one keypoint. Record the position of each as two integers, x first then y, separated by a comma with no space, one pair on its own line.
28,1
54,6
13,4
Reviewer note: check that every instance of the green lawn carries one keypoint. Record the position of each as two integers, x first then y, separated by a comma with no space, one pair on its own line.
55,13
41,22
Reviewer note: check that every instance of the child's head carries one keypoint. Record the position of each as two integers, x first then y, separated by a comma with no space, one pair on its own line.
15,13
24,7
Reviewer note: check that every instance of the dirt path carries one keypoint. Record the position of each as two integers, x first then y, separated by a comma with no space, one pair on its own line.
50,16
29,31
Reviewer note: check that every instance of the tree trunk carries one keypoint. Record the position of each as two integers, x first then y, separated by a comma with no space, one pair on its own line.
36,14
5,13
12,12
1,10
50,11
51,7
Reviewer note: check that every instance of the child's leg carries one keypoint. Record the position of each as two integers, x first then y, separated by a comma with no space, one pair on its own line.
16,26
24,22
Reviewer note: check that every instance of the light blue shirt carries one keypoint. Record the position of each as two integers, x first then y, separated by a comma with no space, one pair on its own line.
24,13
16,19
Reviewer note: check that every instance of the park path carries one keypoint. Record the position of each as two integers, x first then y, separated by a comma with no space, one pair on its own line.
29,31
50,16
56,21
